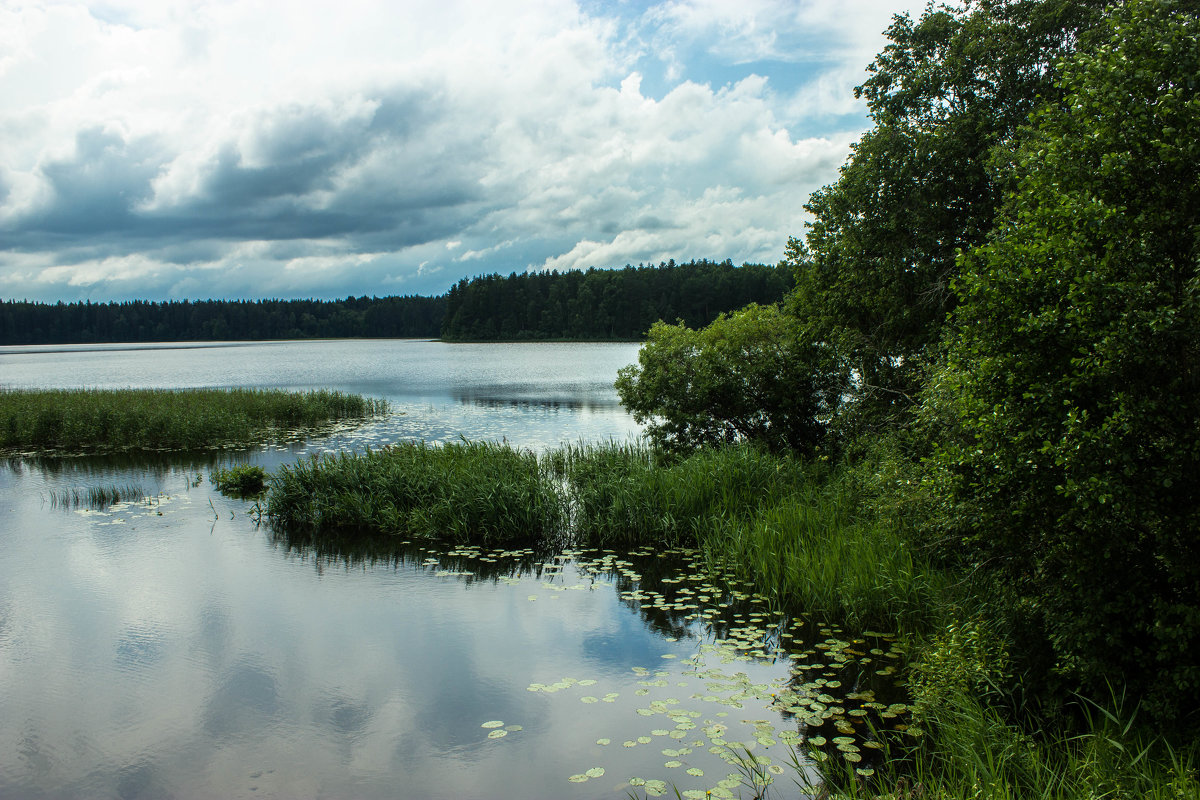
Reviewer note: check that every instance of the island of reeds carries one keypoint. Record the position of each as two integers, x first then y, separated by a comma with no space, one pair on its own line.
94,420
974,420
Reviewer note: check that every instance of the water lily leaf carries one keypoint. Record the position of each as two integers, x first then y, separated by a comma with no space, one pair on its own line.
604,741
696,772
672,764
595,772
589,699
577,778
492,724
496,734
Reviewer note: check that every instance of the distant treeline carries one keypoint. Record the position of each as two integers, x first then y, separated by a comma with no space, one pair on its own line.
220,320
605,304
598,304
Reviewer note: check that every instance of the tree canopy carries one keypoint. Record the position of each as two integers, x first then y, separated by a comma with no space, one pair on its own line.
1067,412
946,96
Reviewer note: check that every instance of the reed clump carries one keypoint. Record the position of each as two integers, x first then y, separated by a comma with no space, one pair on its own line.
465,491
100,420
98,497
632,495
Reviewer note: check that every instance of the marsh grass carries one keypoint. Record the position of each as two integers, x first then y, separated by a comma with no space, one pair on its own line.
97,497
467,492
971,751
94,420
631,495
241,480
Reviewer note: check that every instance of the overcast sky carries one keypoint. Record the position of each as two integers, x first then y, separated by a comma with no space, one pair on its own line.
165,149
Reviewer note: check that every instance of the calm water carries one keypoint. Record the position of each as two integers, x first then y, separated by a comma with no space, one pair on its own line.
174,648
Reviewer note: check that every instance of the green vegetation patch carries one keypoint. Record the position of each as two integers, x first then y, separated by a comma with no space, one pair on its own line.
241,480
95,420
467,491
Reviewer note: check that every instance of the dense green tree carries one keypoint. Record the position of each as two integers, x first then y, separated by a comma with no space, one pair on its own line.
945,95
746,377
1069,404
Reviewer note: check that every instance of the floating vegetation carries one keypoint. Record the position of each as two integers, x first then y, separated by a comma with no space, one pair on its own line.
721,726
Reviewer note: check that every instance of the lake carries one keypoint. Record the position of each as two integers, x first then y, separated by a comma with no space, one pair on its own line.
173,647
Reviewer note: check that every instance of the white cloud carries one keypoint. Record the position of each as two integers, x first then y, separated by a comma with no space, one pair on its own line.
152,148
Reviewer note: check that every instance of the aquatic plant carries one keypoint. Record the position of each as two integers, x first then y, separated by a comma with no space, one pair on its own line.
90,420
463,491
97,497
241,480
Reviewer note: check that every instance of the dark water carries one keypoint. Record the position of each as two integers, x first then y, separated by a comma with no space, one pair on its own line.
171,647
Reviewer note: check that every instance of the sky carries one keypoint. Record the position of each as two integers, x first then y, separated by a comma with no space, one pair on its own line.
192,149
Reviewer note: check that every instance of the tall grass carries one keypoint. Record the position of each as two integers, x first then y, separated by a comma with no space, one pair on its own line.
468,491
972,751
97,497
630,495
87,420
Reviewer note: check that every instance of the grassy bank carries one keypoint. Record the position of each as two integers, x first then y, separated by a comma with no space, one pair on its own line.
91,420
817,541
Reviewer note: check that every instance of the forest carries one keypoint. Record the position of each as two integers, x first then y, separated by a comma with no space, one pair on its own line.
24,323
608,305
599,304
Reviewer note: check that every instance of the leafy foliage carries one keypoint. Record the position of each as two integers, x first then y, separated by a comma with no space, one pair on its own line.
746,377
1070,400
947,93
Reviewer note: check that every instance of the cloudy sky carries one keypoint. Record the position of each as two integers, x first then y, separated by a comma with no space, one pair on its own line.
164,149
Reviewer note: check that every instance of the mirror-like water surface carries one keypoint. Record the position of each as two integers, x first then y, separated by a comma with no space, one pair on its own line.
173,648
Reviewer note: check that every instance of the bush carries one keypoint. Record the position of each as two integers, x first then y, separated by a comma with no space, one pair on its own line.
746,377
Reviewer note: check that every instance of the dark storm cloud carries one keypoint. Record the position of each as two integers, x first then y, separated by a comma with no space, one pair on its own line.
295,172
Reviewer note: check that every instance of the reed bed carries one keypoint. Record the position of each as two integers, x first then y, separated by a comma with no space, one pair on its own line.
97,497
469,491
631,495
91,420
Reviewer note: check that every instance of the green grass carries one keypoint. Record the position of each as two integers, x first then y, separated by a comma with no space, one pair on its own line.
240,480
469,491
629,495
97,497
92,420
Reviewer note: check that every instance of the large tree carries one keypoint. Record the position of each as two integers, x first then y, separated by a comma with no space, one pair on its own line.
946,95
1069,404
